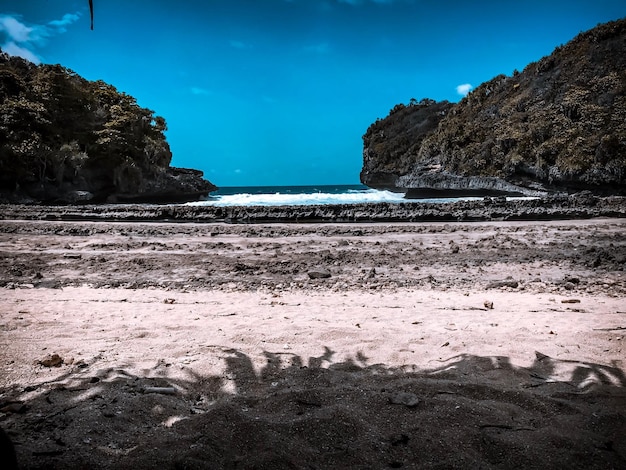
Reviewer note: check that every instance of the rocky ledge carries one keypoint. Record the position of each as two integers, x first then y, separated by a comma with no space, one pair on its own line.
577,206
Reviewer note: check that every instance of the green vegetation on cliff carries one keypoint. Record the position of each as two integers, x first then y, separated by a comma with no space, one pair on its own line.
62,136
558,125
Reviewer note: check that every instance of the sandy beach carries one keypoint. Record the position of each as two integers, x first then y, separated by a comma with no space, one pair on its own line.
393,345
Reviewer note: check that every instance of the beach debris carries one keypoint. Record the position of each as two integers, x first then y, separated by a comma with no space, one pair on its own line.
319,273
169,301
508,282
447,343
160,390
53,360
570,301
72,256
488,304
407,399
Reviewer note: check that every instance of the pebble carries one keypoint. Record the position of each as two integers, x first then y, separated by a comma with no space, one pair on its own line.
404,398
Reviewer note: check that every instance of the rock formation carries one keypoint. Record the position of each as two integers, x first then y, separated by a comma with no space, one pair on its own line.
558,126
64,139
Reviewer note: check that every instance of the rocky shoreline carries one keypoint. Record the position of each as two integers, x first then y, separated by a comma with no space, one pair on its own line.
577,206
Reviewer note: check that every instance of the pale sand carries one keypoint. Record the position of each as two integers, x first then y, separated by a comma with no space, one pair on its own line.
391,368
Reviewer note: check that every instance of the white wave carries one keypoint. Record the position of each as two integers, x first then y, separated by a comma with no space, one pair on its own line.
282,199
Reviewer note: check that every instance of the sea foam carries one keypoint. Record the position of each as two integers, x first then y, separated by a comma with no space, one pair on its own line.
281,198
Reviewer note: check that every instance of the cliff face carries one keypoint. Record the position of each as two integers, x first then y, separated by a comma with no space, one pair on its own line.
65,139
560,125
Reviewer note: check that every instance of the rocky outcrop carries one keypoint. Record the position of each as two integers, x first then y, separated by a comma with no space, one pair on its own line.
582,205
64,139
558,126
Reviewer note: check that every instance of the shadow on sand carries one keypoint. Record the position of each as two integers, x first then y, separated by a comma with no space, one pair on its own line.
315,413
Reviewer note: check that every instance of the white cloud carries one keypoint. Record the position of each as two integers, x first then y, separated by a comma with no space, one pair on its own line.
19,39
67,20
14,50
464,89
15,30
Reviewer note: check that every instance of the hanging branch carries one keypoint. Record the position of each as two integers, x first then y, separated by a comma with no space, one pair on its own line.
91,11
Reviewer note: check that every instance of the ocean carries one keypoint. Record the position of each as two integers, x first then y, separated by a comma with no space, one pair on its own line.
306,195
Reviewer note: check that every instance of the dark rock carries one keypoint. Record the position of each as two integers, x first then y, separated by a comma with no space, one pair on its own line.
399,439
572,280
508,282
319,273
407,399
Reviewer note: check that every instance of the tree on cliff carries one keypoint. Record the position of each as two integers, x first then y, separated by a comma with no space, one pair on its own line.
559,124
60,132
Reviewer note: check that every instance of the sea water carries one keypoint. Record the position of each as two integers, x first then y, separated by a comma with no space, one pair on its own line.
306,195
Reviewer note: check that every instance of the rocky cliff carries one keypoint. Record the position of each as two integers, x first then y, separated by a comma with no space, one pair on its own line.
558,126
64,139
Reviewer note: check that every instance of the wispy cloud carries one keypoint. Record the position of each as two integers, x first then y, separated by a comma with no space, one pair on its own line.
464,89
328,5
200,91
19,39
67,20
239,44
320,48
379,2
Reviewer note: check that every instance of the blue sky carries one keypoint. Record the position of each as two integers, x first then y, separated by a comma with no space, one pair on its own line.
271,92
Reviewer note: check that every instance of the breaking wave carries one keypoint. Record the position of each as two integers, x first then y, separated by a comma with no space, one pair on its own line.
293,196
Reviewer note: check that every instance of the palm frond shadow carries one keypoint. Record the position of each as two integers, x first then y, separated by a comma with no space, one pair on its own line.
316,412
